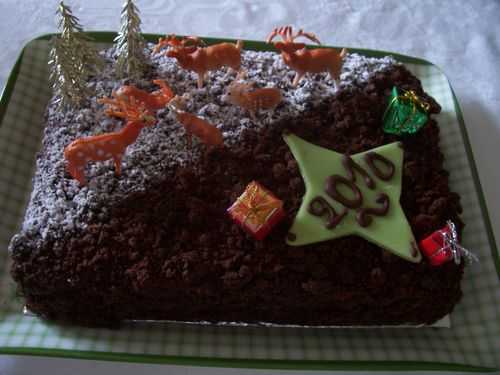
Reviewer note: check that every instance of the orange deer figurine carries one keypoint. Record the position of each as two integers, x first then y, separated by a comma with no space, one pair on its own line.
109,145
194,125
303,60
202,59
245,96
152,101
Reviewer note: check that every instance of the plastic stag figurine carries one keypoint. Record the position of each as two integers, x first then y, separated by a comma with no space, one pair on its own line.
191,56
109,145
303,60
194,125
151,101
250,98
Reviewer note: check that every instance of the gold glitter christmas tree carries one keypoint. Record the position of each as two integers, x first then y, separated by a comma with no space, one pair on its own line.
131,61
72,60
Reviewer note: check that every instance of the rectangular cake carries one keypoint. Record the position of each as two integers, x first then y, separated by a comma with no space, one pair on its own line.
158,243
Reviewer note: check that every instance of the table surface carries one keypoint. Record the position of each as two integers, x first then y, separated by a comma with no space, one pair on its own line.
463,38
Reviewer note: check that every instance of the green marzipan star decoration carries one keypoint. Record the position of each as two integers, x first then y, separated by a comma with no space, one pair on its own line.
391,232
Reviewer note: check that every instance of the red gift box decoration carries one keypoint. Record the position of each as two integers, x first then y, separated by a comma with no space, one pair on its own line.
257,210
442,246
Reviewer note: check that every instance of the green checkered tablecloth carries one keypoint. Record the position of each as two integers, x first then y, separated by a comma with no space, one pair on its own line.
473,338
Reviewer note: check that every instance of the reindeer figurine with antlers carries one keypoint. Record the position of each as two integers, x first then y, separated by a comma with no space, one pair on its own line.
201,60
152,101
194,125
109,145
250,98
302,60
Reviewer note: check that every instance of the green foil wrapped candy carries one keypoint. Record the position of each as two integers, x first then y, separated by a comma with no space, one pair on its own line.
405,114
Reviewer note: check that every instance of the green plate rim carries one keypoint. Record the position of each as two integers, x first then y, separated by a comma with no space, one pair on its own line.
107,37
268,364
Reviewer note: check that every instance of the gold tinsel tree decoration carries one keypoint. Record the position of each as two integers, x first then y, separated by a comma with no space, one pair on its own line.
72,60
130,61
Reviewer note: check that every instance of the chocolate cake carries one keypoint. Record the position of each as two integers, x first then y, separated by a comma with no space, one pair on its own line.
157,242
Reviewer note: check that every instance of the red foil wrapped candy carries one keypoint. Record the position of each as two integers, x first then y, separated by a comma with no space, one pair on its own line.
442,246
257,210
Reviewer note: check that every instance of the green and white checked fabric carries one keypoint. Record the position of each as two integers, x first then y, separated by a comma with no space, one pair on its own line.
472,339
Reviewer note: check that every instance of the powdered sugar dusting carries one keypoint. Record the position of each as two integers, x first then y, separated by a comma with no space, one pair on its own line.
58,202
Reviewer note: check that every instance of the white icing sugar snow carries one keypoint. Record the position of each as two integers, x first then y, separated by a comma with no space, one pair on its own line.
58,201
